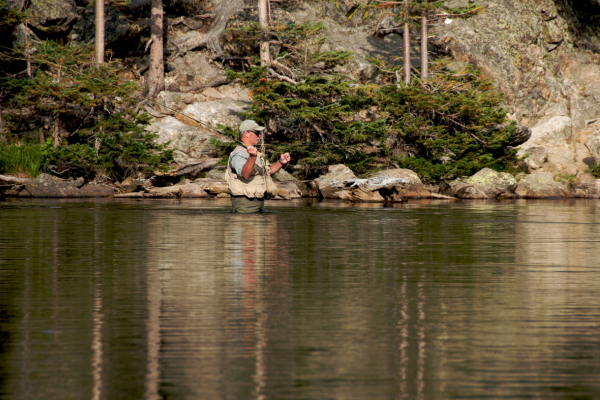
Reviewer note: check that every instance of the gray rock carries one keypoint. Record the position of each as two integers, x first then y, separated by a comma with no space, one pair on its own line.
192,70
593,145
96,191
117,27
541,185
283,176
335,176
52,16
536,156
218,174
192,191
485,184
288,190
49,186
191,140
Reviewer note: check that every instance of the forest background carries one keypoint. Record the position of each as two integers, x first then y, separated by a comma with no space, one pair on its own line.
73,109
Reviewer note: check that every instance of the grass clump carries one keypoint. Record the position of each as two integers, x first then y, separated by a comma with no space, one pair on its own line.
23,160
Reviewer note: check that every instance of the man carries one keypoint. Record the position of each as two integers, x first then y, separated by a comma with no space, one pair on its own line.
248,174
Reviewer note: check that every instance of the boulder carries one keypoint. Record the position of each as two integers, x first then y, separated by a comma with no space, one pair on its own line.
191,139
335,176
167,191
283,176
49,186
485,184
288,190
536,156
117,27
97,191
52,16
192,191
193,70
541,185
215,173
589,190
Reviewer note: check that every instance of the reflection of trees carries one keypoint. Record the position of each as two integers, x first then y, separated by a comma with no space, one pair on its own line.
419,303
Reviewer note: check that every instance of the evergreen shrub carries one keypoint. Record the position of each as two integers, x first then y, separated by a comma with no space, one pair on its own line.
87,114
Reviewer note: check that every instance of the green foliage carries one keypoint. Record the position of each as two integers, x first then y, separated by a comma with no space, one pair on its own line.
21,159
595,170
9,19
450,127
89,110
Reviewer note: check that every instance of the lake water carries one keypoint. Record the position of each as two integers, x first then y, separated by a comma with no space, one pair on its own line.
185,300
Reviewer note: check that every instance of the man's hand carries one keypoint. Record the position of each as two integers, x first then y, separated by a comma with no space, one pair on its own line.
285,158
252,151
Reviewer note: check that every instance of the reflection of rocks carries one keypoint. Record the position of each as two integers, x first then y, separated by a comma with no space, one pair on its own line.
485,184
541,185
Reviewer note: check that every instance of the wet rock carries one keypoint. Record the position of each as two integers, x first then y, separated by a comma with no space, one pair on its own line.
485,184
541,185
192,191
52,16
167,191
97,191
49,186
288,190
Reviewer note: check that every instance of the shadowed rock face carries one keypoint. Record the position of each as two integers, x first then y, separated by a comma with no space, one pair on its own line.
50,17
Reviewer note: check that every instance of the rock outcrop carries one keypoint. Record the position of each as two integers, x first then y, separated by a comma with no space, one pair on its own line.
541,185
485,184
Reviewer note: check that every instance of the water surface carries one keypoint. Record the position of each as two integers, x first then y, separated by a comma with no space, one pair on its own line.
124,299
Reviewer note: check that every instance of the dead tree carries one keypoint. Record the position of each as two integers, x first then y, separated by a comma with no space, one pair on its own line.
225,10
156,74
263,16
424,38
406,44
99,37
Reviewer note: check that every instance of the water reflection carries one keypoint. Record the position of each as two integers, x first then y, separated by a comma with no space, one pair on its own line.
186,300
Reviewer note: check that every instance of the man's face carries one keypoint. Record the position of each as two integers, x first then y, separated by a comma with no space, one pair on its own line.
251,137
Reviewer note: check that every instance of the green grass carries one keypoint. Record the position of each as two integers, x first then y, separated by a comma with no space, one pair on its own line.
21,159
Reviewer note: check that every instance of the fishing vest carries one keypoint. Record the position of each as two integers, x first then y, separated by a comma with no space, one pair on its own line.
257,186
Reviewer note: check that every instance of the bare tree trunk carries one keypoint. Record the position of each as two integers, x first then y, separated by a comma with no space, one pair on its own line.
227,8
156,74
1,120
99,38
27,53
406,45
263,16
424,39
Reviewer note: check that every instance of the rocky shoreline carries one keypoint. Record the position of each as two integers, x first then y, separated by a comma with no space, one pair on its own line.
340,183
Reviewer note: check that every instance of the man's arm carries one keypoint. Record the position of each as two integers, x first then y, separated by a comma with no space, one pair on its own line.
249,166
283,159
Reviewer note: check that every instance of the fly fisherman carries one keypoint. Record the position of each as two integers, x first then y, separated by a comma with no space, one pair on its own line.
247,176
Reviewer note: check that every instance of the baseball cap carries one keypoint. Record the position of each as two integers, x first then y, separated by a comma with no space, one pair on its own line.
250,125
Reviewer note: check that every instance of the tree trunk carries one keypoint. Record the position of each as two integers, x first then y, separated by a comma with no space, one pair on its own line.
263,16
156,74
406,45
226,9
424,39
99,38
